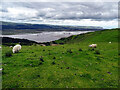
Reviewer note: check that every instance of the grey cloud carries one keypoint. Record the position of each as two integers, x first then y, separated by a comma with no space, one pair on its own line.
66,10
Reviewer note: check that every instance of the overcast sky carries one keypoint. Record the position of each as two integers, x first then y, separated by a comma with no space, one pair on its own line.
62,13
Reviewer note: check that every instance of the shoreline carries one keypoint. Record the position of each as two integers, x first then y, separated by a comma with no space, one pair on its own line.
44,37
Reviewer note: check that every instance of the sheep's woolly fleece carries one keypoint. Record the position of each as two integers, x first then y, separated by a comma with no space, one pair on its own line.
16,48
93,45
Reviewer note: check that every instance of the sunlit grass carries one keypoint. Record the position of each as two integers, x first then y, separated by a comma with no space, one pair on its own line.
72,65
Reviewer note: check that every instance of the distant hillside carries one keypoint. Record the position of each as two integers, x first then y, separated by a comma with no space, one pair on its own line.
15,28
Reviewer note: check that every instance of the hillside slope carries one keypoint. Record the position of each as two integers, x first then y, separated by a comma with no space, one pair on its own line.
72,65
98,36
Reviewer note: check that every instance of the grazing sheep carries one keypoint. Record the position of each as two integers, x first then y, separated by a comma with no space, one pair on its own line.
0,47
109,42
54,44
1,69
16,48
93,45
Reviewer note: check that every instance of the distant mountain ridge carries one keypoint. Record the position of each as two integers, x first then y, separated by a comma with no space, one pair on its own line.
11,25
25,27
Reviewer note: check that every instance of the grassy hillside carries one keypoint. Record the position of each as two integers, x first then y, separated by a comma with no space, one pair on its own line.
72,65
97,36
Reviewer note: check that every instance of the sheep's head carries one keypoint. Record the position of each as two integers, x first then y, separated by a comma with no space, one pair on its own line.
90,45
13,51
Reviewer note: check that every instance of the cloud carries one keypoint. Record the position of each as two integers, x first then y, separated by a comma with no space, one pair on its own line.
20,13
60,1
61,12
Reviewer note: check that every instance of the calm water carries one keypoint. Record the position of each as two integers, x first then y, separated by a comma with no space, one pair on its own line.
46,36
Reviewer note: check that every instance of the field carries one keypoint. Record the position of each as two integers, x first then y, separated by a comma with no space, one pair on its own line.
72,65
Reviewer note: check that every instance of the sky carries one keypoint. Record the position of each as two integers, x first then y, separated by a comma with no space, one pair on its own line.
96,13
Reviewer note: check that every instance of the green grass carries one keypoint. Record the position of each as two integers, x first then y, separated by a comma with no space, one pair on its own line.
65,66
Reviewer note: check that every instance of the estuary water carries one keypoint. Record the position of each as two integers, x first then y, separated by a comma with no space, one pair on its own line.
46,36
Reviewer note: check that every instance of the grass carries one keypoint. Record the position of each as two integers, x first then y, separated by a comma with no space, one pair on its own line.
72,65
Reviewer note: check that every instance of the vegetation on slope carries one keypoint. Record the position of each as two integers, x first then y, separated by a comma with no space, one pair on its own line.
72,65
12,41
97,36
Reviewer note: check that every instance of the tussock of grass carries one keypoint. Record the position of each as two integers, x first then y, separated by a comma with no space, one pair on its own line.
97,52
8,54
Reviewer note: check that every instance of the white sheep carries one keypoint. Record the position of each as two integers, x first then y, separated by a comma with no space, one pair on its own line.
0,47
93,45
109,42
1,69
16,48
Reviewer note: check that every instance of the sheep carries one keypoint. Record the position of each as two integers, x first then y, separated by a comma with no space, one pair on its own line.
16,48
0,47
93,45
109,42
1,69
54,44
